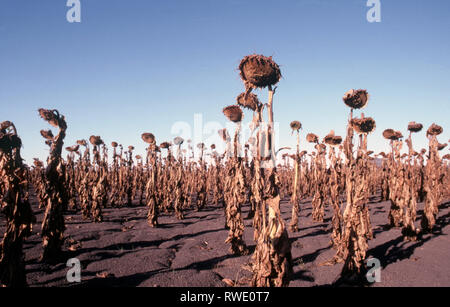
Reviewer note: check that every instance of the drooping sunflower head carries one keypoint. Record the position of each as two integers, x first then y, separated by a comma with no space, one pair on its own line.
148,138
312,138
363,125
415,127
5,125
248,100
51,116
391,134
82,143
178,140
47,134
9,142
233,113
258,71
296,125
95,140
164,145
434,130
73,148
356,99
332,139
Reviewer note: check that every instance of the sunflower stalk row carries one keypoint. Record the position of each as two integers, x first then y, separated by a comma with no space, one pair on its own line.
340,175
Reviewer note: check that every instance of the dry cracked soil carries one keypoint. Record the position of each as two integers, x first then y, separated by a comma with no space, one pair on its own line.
124,251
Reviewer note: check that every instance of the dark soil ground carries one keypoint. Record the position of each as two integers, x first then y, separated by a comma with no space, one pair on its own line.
125,251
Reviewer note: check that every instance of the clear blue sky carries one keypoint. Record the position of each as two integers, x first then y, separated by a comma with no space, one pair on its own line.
134,66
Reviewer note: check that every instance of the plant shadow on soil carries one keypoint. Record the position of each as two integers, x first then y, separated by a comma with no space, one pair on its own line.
389,250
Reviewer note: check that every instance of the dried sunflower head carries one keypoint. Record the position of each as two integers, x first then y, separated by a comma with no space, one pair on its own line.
200,145
164,145
47,134
296,125
434,130
388,134
337,140
356,99
213,146
73,148
178,140
5,125
233,113
399,135
82,143
446,157
130,148
363,125
114,144
415,127
248,100
312,138
51,116
138,157
258,71
95,140
148,138
332,140
392,135
9,141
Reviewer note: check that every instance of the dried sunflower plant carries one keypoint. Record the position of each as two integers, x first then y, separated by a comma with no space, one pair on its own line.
56,198
272,260
356,227
16,207
295,199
